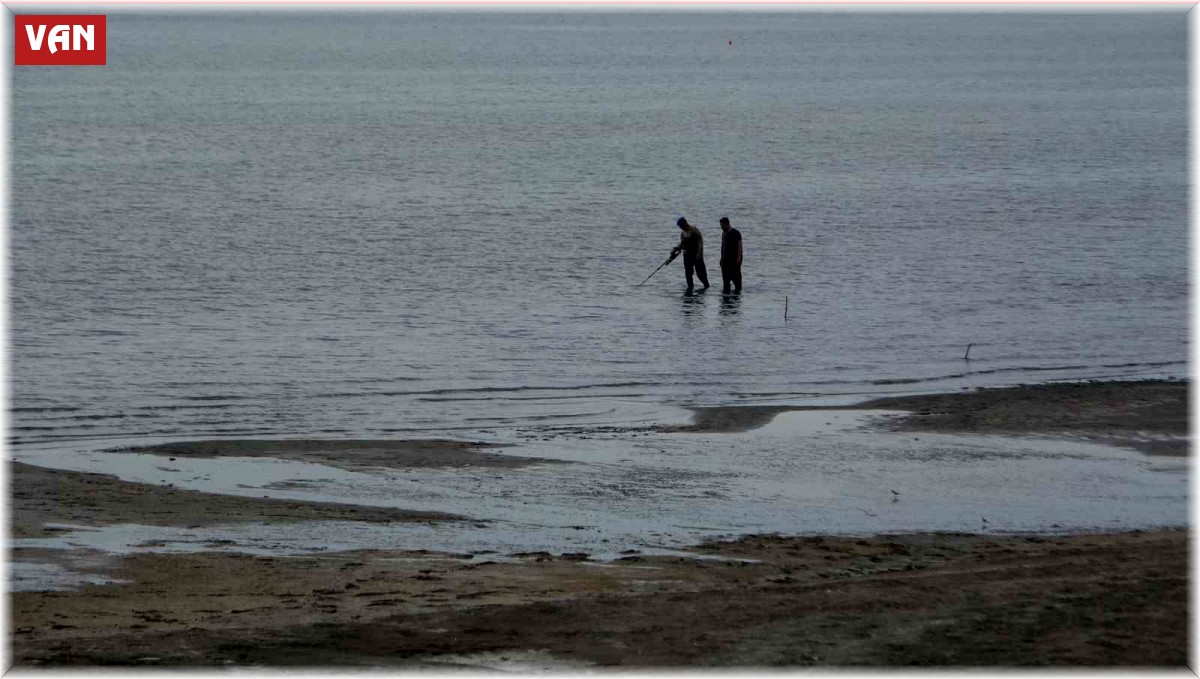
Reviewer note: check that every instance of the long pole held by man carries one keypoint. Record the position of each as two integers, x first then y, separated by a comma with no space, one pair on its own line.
674,254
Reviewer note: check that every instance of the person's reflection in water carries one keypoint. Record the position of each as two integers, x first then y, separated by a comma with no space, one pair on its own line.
693,303
730,302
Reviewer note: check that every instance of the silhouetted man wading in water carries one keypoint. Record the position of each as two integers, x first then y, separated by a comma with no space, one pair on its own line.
731,256
691,243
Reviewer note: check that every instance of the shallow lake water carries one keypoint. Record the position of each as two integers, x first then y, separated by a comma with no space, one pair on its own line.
402,224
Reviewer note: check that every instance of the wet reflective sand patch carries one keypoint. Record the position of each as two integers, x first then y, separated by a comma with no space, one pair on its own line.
347,454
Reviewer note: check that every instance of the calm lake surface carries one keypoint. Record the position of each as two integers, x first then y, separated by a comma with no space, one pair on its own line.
403,224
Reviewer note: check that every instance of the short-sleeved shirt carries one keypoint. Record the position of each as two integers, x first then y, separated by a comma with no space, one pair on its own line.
731,242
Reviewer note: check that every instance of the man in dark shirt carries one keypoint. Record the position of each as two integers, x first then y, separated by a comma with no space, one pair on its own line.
691,243
731,256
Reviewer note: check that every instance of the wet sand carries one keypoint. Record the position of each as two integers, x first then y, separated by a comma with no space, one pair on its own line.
935,599
41,496
1149,415
927,600
354,455
730,419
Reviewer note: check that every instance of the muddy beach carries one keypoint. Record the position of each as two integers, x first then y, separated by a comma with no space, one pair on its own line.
933,599
1149,415
944,600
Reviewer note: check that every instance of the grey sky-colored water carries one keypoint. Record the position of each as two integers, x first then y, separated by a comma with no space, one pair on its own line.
391,224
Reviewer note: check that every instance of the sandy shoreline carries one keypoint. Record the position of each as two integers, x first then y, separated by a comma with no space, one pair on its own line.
1150,415
935,599
1104,409
353,455
41,496
900,600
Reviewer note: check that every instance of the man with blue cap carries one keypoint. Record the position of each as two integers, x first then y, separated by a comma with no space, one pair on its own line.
691,244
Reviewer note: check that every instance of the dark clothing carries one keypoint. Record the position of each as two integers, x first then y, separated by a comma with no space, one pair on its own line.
731,273
731,252
696,264
691,243
731,246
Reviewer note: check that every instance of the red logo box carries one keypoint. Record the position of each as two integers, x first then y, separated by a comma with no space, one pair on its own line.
61,39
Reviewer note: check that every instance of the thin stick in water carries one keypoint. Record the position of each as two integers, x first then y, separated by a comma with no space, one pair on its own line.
967,356
785,304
